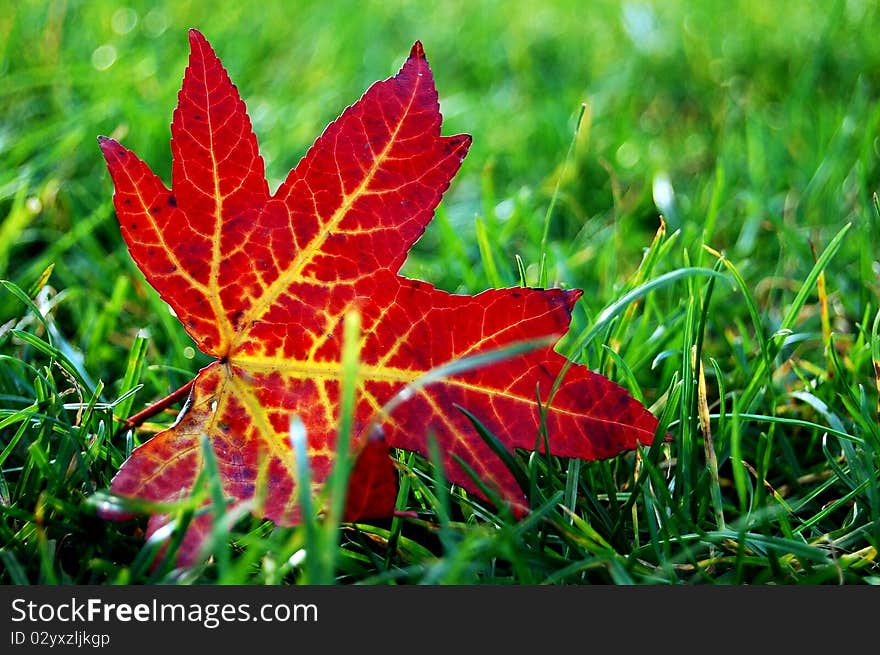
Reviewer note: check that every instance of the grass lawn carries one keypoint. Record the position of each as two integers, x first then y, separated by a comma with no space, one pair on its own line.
752,128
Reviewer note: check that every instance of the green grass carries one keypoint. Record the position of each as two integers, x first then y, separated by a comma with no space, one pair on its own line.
752,127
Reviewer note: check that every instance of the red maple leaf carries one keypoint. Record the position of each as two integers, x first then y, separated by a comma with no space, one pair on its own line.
262,283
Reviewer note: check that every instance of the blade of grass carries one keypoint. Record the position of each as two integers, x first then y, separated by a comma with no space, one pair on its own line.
790,318
497,447
219,532
313,572
486,250
542,275
133,370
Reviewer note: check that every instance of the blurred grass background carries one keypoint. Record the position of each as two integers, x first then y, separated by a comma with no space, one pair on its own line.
753,127
769,108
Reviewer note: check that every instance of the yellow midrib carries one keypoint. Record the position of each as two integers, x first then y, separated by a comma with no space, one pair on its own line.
367,373
223,324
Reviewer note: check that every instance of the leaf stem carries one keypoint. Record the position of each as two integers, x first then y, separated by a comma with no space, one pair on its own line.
172,398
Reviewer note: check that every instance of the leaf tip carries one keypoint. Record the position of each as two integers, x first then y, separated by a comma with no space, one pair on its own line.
572,296
195,36
459,143
104,143
111,148
199,47
417,51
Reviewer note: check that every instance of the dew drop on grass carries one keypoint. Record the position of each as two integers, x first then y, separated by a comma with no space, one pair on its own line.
104,57
663,193
640,25
145,68
504,209
155,22
107,507
627,155
124,20
297,558
189,352
33,204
